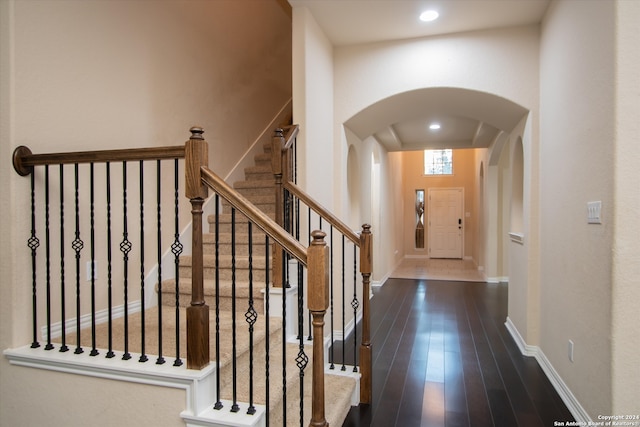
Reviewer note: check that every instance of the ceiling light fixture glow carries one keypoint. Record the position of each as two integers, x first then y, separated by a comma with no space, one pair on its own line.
434,126
429,15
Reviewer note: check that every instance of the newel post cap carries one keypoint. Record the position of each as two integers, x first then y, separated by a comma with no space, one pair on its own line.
196,132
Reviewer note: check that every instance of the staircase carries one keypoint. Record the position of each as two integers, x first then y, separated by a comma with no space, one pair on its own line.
251,363
259,188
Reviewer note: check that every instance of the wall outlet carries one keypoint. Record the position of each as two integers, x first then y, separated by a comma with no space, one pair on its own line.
570,351
90,270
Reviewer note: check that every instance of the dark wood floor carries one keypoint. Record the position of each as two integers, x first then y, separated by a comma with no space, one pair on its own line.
443,357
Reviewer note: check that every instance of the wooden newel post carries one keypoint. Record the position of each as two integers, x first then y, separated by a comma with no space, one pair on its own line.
276,166
366,257
318,302
196,155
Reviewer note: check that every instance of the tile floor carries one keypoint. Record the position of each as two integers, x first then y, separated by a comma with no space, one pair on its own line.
438,269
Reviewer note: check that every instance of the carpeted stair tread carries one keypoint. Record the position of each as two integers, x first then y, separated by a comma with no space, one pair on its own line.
225,286
338,388
169,334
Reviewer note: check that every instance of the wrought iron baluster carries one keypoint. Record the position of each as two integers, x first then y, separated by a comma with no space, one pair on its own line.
77,246
267,250
331,364
234,363
355,304
125,248
343,368
143,356
218,404
300,304
251,316
309,321
110,352
47,246
63,347
33,244
301,359
176,249
160,360
284,345
94,350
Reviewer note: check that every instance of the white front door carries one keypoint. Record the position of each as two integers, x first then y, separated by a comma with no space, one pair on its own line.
445,228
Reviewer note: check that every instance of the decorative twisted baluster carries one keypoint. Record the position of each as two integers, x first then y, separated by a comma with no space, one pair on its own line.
331,356
125,248
176,250
234,362
143,357
218,404
63,347
343,367
160,360
94,350
33,244
77,246
266,327
47,247
355,304
110,352
251,316
301,359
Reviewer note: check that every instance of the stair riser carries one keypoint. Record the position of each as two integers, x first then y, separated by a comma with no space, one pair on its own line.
241,249
250,192
259,275
265,207
263,159
224,227
258,175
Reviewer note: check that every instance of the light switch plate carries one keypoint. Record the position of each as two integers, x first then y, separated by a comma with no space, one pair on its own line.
594,212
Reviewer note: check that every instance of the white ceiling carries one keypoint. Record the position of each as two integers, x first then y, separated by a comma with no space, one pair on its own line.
469,119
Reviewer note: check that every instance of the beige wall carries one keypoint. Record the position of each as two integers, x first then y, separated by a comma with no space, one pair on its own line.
625,292
464,176
586,156
89,75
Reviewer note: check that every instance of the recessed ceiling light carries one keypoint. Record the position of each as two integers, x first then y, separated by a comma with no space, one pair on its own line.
429,15
434,126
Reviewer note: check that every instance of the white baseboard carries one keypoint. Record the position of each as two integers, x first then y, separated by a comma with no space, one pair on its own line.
574,406
102,316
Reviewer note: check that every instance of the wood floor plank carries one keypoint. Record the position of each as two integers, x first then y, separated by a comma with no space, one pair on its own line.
443,357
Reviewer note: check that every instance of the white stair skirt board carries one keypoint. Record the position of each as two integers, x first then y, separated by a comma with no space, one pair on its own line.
291,308
576,409
199,385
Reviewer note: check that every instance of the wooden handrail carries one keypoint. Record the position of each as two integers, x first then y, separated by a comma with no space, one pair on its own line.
281,148
323,212
24,160
290,136
255,215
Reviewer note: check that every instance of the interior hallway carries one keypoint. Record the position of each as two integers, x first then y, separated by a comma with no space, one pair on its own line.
443,357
